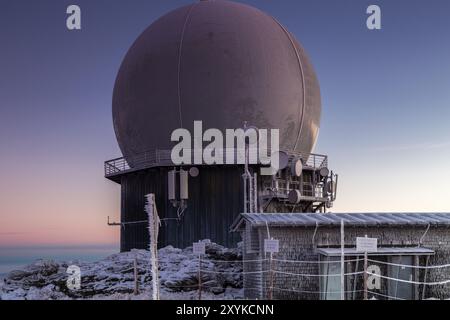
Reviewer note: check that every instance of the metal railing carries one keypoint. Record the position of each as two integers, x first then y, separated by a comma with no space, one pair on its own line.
158,157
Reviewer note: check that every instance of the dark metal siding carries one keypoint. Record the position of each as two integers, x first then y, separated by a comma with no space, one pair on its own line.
215,200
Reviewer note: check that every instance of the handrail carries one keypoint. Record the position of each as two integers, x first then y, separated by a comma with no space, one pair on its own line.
163,158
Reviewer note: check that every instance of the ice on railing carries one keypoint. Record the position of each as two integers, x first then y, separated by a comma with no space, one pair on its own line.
164,157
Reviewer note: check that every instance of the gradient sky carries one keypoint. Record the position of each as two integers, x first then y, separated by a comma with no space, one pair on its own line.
385,123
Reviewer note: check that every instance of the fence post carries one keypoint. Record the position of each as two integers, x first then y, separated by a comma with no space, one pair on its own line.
271,277
425,278
136,283
365,274
199,277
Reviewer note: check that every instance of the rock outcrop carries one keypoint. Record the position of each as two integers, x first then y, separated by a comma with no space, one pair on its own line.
113,277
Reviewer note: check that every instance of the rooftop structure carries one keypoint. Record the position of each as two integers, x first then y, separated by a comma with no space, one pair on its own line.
350,219
411,260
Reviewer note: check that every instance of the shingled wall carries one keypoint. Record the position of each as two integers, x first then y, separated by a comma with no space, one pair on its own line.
301,243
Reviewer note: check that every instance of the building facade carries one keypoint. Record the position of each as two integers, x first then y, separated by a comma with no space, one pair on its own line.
201,202
412,260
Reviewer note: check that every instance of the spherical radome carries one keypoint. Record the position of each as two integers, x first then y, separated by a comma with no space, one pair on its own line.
220,62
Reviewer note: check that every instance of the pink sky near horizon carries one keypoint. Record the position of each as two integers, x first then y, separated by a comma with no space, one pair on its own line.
44,203
384,120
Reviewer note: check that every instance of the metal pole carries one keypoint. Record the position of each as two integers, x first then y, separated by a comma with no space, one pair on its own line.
248,178
416,278
425,278
250,194
245,193
136,284
255,190
365,274
271,277
355,278
247,196
342,261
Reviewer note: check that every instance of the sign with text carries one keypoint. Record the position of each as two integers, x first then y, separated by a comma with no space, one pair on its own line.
198,248
364,244
271,245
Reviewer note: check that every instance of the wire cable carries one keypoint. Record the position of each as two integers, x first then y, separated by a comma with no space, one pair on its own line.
436,283
311,261
233,272
317,275
238,261
410,266
315,292
385,296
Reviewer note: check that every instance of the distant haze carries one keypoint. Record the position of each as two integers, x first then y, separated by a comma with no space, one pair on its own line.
13,258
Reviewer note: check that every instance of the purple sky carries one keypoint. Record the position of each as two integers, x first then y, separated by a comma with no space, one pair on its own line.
385,124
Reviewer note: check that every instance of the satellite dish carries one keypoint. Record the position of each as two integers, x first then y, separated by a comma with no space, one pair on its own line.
194,172
329,187
283,159
324,172
296,167
294,196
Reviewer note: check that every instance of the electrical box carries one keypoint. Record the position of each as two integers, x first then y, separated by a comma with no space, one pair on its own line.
184,192
171,184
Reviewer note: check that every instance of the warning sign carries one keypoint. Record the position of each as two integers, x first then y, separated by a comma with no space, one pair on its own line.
271,245
364,244
198,248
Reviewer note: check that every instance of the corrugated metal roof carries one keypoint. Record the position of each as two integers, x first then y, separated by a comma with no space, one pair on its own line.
350,219
383,251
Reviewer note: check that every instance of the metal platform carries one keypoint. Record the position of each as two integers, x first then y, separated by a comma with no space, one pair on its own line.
159,158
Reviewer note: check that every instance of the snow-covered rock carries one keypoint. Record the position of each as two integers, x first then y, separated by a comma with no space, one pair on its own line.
113,277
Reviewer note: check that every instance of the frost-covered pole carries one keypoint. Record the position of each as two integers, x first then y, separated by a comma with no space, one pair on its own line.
153,228
199,277
136,283
271,277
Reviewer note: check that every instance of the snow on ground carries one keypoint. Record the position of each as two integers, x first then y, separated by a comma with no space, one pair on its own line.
113,277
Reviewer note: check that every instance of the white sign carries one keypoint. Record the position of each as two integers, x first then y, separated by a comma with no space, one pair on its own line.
198,248
364,244
271,245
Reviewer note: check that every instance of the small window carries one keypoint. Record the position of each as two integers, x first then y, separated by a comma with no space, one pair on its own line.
330,286
399,289
330,280
393,265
